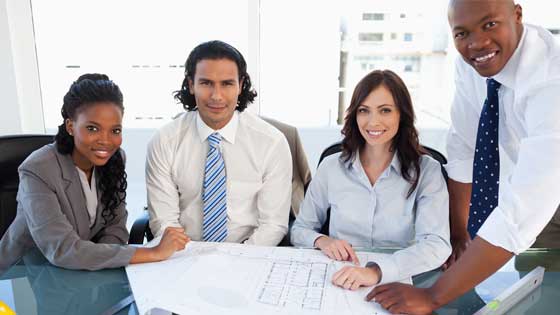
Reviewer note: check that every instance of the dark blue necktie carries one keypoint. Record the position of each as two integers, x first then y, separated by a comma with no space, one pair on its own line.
486,164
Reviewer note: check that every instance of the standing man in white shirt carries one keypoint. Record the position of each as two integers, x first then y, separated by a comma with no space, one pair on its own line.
507,94
218,171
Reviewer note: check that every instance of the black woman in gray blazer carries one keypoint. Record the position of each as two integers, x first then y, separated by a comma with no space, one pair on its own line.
71,196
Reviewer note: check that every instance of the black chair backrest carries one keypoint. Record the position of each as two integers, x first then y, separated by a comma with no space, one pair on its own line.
337,147
13,151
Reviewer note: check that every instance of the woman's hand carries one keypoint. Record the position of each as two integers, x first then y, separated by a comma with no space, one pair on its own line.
172,240
351,278
337,249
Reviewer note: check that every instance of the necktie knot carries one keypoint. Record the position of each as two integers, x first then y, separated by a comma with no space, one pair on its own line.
492,86
214,140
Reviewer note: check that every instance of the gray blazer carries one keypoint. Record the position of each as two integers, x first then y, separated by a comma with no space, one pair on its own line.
52,216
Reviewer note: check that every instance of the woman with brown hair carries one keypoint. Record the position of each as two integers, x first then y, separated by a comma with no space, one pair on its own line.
382,189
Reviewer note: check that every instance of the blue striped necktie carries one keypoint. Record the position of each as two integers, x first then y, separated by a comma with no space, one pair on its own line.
214,225
486,163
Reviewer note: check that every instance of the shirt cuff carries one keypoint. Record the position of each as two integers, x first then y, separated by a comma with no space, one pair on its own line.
389,270
312,238
500,231
460,170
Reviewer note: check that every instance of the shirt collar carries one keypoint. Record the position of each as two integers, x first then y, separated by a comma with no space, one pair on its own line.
355,163
227,132
508,74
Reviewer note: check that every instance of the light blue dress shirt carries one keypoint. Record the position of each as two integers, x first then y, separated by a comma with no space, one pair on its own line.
380,215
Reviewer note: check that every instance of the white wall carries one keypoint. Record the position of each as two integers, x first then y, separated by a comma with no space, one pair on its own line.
20,95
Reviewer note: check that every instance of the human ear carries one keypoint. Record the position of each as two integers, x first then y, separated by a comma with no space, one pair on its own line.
69,126
191,85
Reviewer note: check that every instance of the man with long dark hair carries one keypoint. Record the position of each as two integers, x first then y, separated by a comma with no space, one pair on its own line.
218,171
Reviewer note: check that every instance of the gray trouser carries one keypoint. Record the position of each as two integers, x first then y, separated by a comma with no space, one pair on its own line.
550,236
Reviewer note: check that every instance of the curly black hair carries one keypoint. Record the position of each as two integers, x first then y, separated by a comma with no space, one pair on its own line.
215,50
406,140
89,89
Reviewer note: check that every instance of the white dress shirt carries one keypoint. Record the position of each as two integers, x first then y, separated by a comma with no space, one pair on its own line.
380,215
90,193
529,136
258,169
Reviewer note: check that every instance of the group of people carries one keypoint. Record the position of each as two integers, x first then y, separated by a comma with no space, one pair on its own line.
218,173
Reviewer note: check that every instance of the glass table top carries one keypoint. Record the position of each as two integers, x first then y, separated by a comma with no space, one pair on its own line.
37,287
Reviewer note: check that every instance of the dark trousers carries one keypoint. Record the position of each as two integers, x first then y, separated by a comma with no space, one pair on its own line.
550,236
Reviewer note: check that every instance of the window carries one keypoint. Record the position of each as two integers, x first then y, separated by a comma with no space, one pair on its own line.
373,16
371,37
303,82
407,37
144,59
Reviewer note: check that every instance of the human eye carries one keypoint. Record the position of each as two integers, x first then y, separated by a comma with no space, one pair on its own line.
117,131
460,35
385,110
91,128
490,24
362,110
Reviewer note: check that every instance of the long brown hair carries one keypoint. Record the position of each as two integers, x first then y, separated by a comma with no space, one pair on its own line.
405,141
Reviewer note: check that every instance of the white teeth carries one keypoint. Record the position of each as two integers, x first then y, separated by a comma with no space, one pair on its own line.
375,133
486,57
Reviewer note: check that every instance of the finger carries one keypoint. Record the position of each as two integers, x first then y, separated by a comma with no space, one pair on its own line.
353,278
336,253
388,299
338,274
328,252
352,254
452,258
179,244
376,291
348,283
343,254
355,285
178,236
398,308
348,278
177,229
339,281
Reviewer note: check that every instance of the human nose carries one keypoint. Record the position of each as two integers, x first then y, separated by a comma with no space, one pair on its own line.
104,137
216,93
478,41
373,119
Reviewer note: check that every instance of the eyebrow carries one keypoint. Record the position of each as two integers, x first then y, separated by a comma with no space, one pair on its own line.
223,81
484,18
97,124
378,106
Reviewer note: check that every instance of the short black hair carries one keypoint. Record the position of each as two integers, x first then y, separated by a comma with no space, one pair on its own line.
215,50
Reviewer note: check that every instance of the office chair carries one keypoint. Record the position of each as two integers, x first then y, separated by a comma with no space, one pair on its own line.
14,150
337,147
141,229
141,226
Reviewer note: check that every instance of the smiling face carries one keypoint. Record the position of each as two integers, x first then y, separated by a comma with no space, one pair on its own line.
378,118
96,130
486,33
215,87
